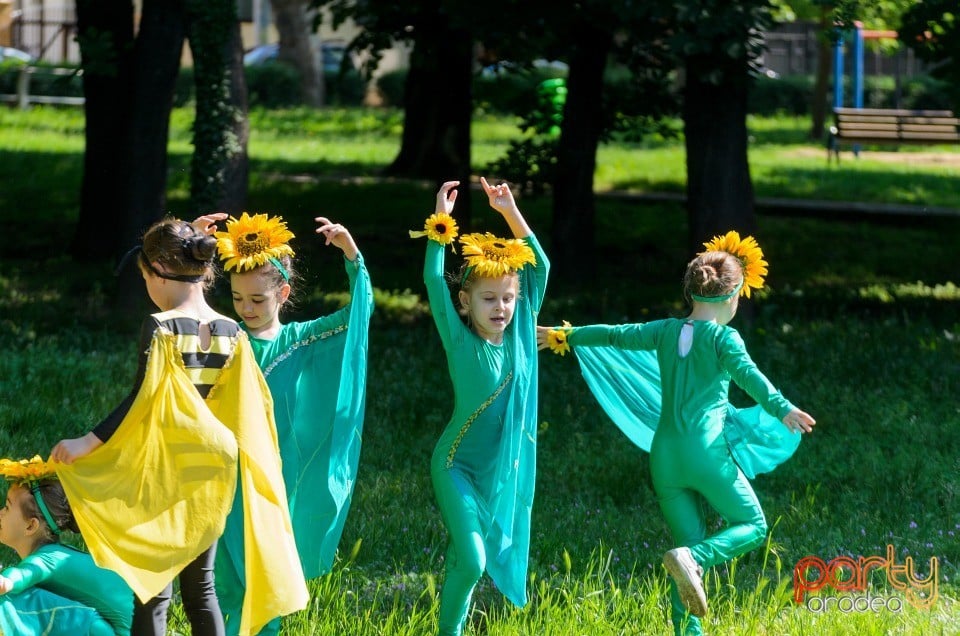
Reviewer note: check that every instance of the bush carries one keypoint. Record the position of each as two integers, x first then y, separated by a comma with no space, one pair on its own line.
790,94
273,85
391,85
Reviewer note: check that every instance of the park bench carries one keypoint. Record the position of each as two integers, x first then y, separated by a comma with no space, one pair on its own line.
877,126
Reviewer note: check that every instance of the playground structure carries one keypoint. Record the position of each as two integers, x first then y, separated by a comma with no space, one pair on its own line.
857,35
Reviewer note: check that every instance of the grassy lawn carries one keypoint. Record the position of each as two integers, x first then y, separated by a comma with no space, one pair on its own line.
860,326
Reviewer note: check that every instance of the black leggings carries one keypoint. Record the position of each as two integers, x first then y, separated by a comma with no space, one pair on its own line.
199,602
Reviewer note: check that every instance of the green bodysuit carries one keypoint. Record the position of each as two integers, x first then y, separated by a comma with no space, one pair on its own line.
483,465
58,589
317,374
690,460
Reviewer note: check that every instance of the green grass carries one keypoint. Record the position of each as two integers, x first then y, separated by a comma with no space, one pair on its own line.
860,326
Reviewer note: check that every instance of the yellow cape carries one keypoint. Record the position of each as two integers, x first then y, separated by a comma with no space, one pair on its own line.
158,492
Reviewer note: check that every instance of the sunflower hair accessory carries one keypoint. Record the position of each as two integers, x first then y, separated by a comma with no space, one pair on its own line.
490,256
745,250
29,473
252,241
557,339
439,227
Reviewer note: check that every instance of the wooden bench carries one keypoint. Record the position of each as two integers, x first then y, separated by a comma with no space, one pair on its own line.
894,127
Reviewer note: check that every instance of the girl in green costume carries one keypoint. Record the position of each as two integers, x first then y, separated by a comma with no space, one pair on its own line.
316,371
483,465
55,589
695,455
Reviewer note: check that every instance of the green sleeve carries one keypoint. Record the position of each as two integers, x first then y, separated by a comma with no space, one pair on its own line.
441,306
29,572
360,291
632,336
541,271
744,372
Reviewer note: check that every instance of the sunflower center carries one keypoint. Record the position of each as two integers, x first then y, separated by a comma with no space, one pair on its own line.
440,228
252,243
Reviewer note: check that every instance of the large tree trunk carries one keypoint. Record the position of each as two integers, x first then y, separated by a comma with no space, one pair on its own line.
219,131
294,27
157,51
437,108
107,108
818,105
237,169
719,190
572,247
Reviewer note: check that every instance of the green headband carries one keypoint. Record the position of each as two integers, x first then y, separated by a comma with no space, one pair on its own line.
719,299
283,270
38,497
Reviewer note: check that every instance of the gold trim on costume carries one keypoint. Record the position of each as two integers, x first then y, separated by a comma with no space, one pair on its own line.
301,343
473,417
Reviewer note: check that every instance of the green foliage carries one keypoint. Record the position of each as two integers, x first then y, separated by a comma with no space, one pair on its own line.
391,85
932,29
273,85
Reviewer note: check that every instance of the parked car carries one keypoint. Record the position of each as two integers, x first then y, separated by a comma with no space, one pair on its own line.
332,56
10,53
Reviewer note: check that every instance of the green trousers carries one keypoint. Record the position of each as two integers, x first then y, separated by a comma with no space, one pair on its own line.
689,473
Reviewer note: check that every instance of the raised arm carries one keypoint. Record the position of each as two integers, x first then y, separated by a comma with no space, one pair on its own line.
444,313
501,199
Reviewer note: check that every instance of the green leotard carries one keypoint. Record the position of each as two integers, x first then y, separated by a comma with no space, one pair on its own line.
58,589
483,465
690,459
317,373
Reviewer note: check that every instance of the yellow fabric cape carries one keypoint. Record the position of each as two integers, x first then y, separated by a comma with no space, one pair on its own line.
158,492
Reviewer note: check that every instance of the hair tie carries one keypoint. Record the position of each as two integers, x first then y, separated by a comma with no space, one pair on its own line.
35,489
719,299
283,270
466,274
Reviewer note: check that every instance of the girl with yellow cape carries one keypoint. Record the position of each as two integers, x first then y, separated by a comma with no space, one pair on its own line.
152,485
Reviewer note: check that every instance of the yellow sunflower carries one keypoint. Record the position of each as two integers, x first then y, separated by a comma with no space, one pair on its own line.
26,469
749,254
490,256
439,227
557,339
251,241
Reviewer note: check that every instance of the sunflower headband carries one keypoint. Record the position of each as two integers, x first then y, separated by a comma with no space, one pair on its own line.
490,256
29,473
745,250
252,241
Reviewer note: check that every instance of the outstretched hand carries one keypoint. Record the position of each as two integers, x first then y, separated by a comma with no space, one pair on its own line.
446,197
68,451
337,235
800,421
500,197
542,337
208,222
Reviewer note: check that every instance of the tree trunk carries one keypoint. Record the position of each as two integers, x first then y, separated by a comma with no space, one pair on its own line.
157,53
107,108
237,169
572,248
294,28
437,109
158,49
818,105
719,190
219,133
